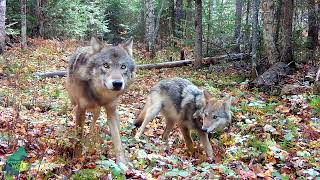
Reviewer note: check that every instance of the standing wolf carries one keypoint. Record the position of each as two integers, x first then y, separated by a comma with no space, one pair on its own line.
182,103
97,76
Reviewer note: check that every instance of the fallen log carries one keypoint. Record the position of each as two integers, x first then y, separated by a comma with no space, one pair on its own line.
273,75
172,64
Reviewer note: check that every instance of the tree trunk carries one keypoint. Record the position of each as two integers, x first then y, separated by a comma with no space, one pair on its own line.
157,26
286,37
198,40
209,26
255,19
277,22
179,17
247,27
189,22
150,25
24,24
313,30
39,18
2,25
172,16
268,8
237,30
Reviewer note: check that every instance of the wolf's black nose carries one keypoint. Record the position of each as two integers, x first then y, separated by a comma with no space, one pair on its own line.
117,84
204,129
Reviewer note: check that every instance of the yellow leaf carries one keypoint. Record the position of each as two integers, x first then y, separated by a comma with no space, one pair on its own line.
23,166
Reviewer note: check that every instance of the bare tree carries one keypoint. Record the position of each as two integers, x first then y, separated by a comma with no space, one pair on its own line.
38,5
2,25
247,27
179,16
269,9
172,16
152,24
198,40
149,7
189,21
210,11
24,23
286,35
255,10
237,30
313,30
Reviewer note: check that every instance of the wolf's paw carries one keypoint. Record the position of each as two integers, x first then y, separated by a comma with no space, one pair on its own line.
137,137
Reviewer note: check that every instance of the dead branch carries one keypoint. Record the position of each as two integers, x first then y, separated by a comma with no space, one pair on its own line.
206,61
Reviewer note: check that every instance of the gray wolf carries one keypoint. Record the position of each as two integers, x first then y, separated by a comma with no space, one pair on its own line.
97,76
184,104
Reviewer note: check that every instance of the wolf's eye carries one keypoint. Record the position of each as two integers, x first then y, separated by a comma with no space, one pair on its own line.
123,66
106,65
214,116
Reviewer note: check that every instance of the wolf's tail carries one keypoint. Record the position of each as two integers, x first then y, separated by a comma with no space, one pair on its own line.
141,116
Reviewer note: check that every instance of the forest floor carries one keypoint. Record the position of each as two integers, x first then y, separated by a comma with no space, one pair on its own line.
270,137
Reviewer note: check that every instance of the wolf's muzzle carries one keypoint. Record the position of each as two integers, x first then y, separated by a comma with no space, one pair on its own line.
117,85
204,130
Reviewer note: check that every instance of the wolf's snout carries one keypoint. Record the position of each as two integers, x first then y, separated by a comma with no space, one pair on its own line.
204,129
117,85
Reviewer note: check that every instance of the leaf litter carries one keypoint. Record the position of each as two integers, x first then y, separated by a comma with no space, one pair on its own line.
270,137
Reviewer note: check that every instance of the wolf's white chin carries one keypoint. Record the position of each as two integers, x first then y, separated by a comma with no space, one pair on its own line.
210,129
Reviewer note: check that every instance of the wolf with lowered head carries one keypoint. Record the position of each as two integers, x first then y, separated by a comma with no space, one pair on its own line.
184,104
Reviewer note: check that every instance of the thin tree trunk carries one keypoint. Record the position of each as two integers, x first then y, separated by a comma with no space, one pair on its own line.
39,18
313,30
237,30
172,16
24,24
277,22
2,25
268,8
286,41
209,27
150,24
255,10
188,19
247,29
157,26
198,40
179,17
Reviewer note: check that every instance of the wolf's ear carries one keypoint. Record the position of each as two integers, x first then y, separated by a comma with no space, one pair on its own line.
95,44
227,102
207,95
128,46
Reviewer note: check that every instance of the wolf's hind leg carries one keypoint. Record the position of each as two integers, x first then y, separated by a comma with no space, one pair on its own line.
169,126
187,138
152,111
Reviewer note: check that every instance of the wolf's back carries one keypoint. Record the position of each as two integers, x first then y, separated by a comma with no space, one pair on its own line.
79,59
173,88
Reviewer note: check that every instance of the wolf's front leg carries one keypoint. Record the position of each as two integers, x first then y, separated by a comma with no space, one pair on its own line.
114,126
80,118
204,139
